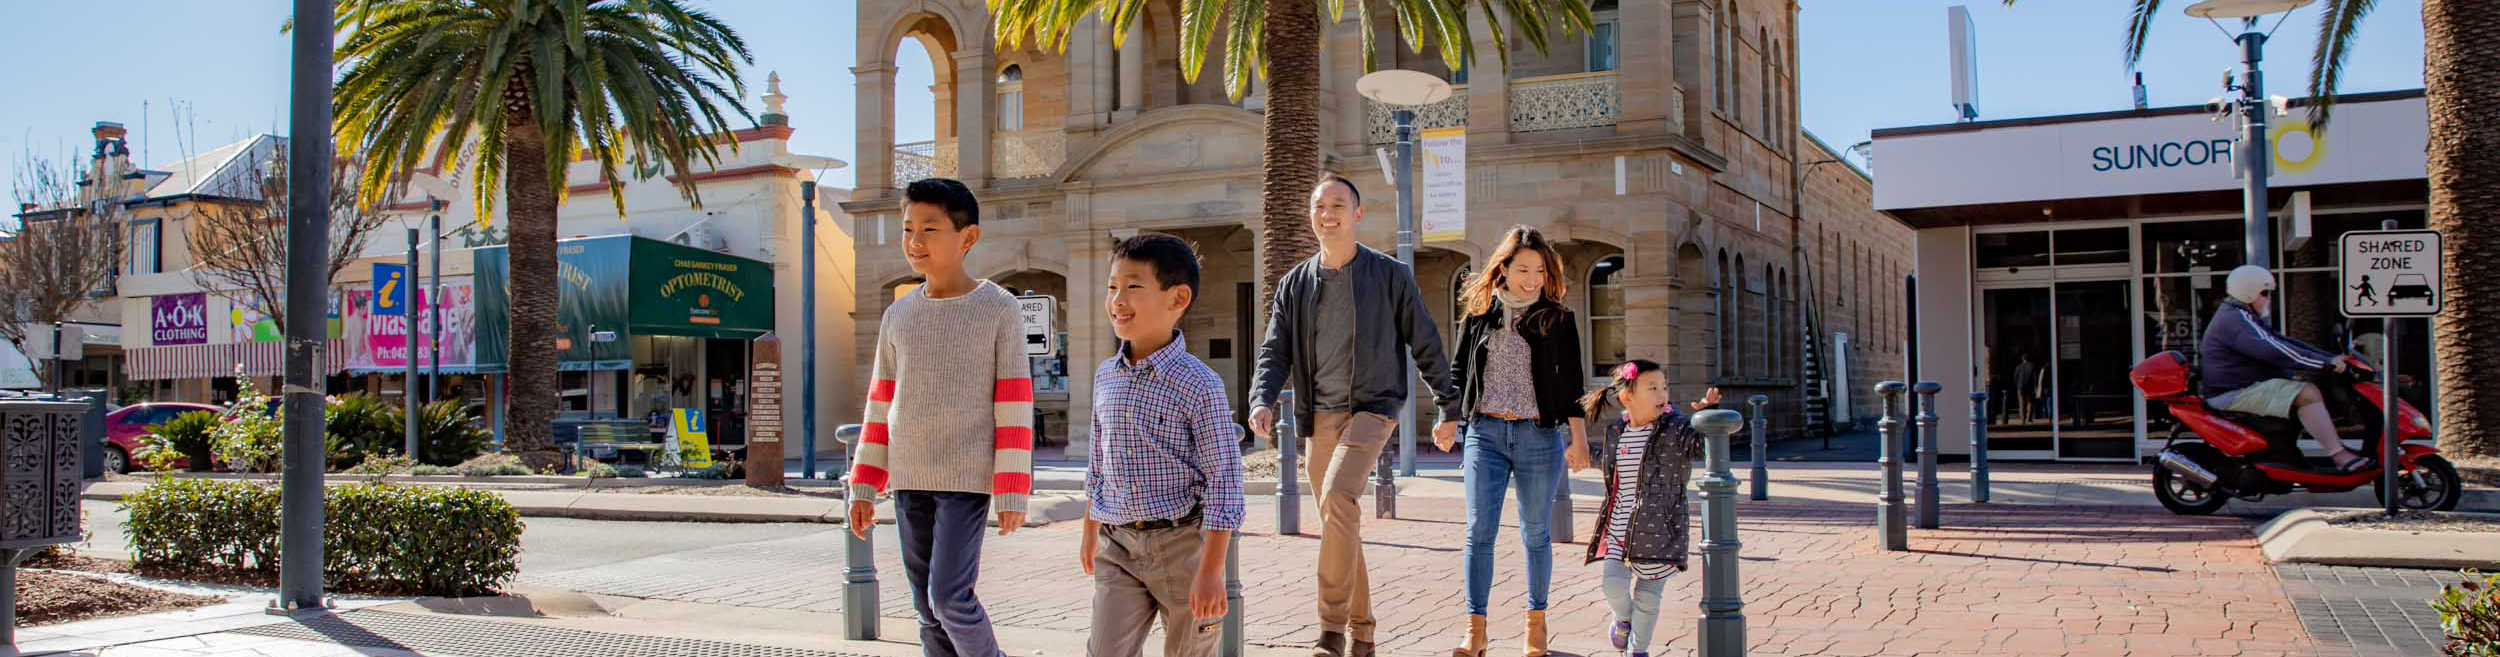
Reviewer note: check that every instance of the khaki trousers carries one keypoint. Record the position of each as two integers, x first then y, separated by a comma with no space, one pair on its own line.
1141,575
1344,448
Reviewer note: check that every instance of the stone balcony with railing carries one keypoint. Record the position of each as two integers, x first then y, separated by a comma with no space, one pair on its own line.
923,159
1565,102
1017,154
1556,102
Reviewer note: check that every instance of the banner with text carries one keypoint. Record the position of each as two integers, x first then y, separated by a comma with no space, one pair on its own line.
1442,213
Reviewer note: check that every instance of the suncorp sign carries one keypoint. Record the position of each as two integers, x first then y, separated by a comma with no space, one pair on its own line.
2369,141
2164,154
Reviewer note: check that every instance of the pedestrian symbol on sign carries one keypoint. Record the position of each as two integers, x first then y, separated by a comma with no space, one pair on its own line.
2391,273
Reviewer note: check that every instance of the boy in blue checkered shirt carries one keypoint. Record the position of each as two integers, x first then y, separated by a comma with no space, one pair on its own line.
1164,478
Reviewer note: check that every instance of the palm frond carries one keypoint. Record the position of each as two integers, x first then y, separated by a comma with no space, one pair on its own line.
2338,26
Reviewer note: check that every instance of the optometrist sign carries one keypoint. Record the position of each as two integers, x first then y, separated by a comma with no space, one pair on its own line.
2392,273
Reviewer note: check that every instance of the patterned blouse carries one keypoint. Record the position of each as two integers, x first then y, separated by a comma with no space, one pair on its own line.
1509,384
1628,452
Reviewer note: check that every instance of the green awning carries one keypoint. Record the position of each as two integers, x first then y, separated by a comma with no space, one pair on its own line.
612,288
686,291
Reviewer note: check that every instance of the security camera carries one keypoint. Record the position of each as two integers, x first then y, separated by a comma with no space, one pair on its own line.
2282,106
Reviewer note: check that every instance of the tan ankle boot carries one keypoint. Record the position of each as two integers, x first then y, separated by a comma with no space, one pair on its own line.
1474,647
1536,634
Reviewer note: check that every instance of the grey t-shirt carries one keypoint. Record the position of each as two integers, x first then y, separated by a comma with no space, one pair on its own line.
1334,352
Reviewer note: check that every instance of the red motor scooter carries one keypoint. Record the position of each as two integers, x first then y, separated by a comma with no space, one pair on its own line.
2252,456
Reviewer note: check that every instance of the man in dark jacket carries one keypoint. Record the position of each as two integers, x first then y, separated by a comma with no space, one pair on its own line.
1343,324
2247,366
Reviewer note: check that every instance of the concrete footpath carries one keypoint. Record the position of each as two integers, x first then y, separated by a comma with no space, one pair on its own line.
1059,489
604,504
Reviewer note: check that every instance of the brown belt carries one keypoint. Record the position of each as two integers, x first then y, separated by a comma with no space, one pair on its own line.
1506,416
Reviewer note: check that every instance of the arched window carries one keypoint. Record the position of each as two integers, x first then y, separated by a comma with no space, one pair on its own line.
1011,98
1762,49
1727,317
1773,330
1606,337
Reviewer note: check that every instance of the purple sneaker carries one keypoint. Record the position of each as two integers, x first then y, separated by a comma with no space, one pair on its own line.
1640,654
1623,635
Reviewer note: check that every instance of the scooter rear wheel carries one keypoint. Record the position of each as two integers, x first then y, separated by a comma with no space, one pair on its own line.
2183,497
2440,489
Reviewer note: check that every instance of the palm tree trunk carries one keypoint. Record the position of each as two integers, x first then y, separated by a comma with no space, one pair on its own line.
531,203
1292,156
2460,71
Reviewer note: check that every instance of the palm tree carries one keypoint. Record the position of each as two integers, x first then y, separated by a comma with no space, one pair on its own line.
518,89
2460,71
1282,45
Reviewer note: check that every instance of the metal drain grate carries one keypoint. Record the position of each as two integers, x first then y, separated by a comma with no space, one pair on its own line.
472,638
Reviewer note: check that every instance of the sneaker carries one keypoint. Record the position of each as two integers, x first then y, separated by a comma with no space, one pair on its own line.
1623,634
1331,644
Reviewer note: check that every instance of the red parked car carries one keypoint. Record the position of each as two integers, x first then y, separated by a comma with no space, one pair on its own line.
123,428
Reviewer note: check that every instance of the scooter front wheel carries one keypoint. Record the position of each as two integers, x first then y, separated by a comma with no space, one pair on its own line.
2432,485
2184,497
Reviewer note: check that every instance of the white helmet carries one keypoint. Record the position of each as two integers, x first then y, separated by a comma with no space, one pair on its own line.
2249,282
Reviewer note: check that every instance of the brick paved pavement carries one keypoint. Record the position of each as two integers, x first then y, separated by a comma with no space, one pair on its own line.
2002,579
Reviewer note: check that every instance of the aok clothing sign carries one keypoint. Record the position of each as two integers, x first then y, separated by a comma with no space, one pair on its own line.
178,319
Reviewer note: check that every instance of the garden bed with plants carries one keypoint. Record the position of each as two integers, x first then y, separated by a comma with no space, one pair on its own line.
378,538
45,596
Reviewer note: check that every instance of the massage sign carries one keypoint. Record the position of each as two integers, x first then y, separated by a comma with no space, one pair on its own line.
179,319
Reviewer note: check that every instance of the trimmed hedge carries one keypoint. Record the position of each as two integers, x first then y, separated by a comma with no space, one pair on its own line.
377,537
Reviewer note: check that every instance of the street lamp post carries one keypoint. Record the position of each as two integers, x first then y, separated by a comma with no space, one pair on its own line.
807,305
2253,157
1403,91
308,240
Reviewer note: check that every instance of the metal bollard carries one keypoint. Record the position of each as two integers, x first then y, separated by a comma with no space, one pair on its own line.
1722,598
1930,508
1979,447
1892,531
859,575
1761,447
1288,468
1232,646
1558,519
1385,483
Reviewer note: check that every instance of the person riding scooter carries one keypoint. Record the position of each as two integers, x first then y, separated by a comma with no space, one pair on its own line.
2247,366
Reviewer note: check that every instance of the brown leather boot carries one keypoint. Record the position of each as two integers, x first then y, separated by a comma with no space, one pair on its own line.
1536,634
1474,646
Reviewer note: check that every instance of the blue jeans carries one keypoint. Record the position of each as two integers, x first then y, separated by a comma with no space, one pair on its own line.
1633,600
941,535
1498,452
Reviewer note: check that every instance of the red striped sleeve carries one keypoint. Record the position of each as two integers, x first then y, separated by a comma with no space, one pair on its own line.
882,390
1012,390
1014,437
868,475
873,433
1009,483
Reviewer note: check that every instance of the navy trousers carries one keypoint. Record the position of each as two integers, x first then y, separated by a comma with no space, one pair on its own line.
941,535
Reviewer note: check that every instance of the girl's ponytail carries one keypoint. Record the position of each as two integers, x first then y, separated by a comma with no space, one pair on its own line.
1594,403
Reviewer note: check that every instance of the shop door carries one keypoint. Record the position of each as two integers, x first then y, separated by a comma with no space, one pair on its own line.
2095,403
2016,337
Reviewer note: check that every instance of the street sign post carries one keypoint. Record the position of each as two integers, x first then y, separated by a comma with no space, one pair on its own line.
2392,275
1035,313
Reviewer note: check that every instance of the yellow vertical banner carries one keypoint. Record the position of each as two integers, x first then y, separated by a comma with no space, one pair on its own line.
687,429
1441,207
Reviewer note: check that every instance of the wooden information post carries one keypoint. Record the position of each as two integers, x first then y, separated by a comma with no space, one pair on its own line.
763,461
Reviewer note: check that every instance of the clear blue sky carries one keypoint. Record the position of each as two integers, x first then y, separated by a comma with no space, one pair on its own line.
1867,64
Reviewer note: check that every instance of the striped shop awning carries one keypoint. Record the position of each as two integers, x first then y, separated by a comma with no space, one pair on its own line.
200,361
